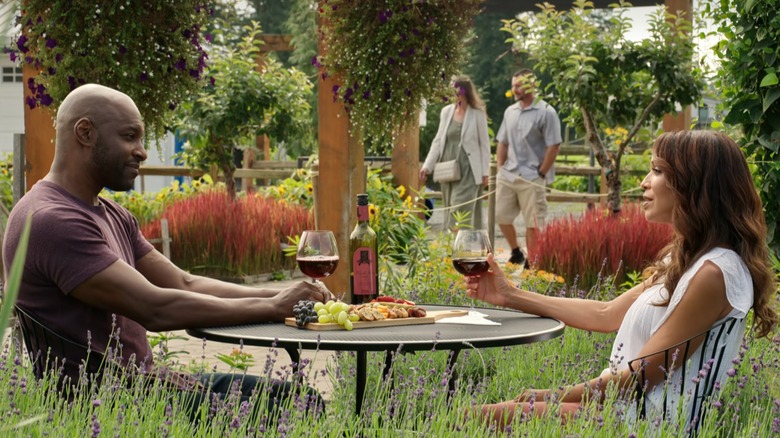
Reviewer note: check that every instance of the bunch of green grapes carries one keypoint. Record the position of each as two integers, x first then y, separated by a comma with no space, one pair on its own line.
335,312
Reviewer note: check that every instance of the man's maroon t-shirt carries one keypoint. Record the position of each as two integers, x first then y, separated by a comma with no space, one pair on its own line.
70,241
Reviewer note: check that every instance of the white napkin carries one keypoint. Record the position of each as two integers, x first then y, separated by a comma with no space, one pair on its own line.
473,318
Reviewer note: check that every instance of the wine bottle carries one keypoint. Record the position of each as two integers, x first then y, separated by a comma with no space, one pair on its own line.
364,282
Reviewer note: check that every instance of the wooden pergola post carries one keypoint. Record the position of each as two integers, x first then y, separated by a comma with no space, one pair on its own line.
39,133
682,120
341,178
405,164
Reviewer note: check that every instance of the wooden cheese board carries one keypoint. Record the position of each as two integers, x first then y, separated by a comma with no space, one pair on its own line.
430,318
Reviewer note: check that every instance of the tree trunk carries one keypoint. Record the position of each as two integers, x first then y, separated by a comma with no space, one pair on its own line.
230,182
605,160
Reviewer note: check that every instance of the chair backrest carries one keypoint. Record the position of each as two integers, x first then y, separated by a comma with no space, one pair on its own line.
696,375
50,351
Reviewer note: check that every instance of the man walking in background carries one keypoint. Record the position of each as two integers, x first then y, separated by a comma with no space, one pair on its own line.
528,142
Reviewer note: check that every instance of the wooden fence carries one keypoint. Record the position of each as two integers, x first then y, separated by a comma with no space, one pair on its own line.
273,170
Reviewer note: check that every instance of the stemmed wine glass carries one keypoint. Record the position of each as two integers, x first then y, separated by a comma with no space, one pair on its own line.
317,254
469,252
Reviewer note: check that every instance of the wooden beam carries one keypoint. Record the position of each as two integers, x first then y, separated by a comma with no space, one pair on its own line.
405,164
341,177
276,42
512,7
682,120
38,134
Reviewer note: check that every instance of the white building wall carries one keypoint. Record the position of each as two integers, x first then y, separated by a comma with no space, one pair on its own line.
11,105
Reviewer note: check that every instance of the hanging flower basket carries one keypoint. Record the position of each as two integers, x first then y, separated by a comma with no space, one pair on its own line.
151,52
391,55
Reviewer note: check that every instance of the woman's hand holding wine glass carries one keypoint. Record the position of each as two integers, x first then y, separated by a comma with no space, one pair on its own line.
469,252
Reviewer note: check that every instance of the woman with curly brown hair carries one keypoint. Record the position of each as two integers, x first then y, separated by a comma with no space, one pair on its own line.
716,267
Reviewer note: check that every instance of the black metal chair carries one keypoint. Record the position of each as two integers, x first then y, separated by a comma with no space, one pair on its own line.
706,360
50,351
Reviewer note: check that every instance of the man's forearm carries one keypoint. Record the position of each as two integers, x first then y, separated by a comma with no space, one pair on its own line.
501,154
549,159
224,289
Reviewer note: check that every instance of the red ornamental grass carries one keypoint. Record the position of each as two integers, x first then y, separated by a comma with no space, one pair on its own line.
598,242
213,235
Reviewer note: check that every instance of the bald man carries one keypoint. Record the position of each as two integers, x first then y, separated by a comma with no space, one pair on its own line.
90,275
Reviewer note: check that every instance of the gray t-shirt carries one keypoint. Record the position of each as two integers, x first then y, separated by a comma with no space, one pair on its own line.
528,132
71,241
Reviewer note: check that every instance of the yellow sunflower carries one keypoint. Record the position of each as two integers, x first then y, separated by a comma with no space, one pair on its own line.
310,188
373,211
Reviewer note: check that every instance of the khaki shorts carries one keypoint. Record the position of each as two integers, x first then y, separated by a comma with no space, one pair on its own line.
521,196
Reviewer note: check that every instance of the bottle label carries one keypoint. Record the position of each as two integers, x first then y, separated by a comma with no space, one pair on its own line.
362,212
364,271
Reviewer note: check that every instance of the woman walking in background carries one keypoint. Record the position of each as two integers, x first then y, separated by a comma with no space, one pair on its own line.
462,136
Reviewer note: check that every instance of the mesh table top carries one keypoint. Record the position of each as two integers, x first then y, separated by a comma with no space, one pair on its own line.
516,328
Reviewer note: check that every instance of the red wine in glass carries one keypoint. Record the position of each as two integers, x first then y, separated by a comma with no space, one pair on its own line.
318,266
471,265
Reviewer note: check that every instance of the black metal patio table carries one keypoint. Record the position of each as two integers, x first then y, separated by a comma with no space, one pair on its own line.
516,328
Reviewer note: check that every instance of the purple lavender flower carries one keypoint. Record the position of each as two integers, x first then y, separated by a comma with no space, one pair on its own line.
95,427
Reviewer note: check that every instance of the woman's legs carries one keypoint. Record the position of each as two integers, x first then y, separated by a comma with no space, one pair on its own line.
501,414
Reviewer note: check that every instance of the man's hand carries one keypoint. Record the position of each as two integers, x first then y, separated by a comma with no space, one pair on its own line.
303,290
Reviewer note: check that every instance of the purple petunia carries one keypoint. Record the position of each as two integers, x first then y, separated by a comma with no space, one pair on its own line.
181,64
51,43
21,44
30,101
143,77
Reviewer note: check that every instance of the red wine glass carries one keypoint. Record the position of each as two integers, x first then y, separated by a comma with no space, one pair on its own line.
469,252
318,255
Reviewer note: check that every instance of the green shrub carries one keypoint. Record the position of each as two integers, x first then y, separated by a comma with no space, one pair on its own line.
6,187
147,207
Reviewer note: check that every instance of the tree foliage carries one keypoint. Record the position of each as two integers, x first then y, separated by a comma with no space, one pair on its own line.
601,80
749,81
241,103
